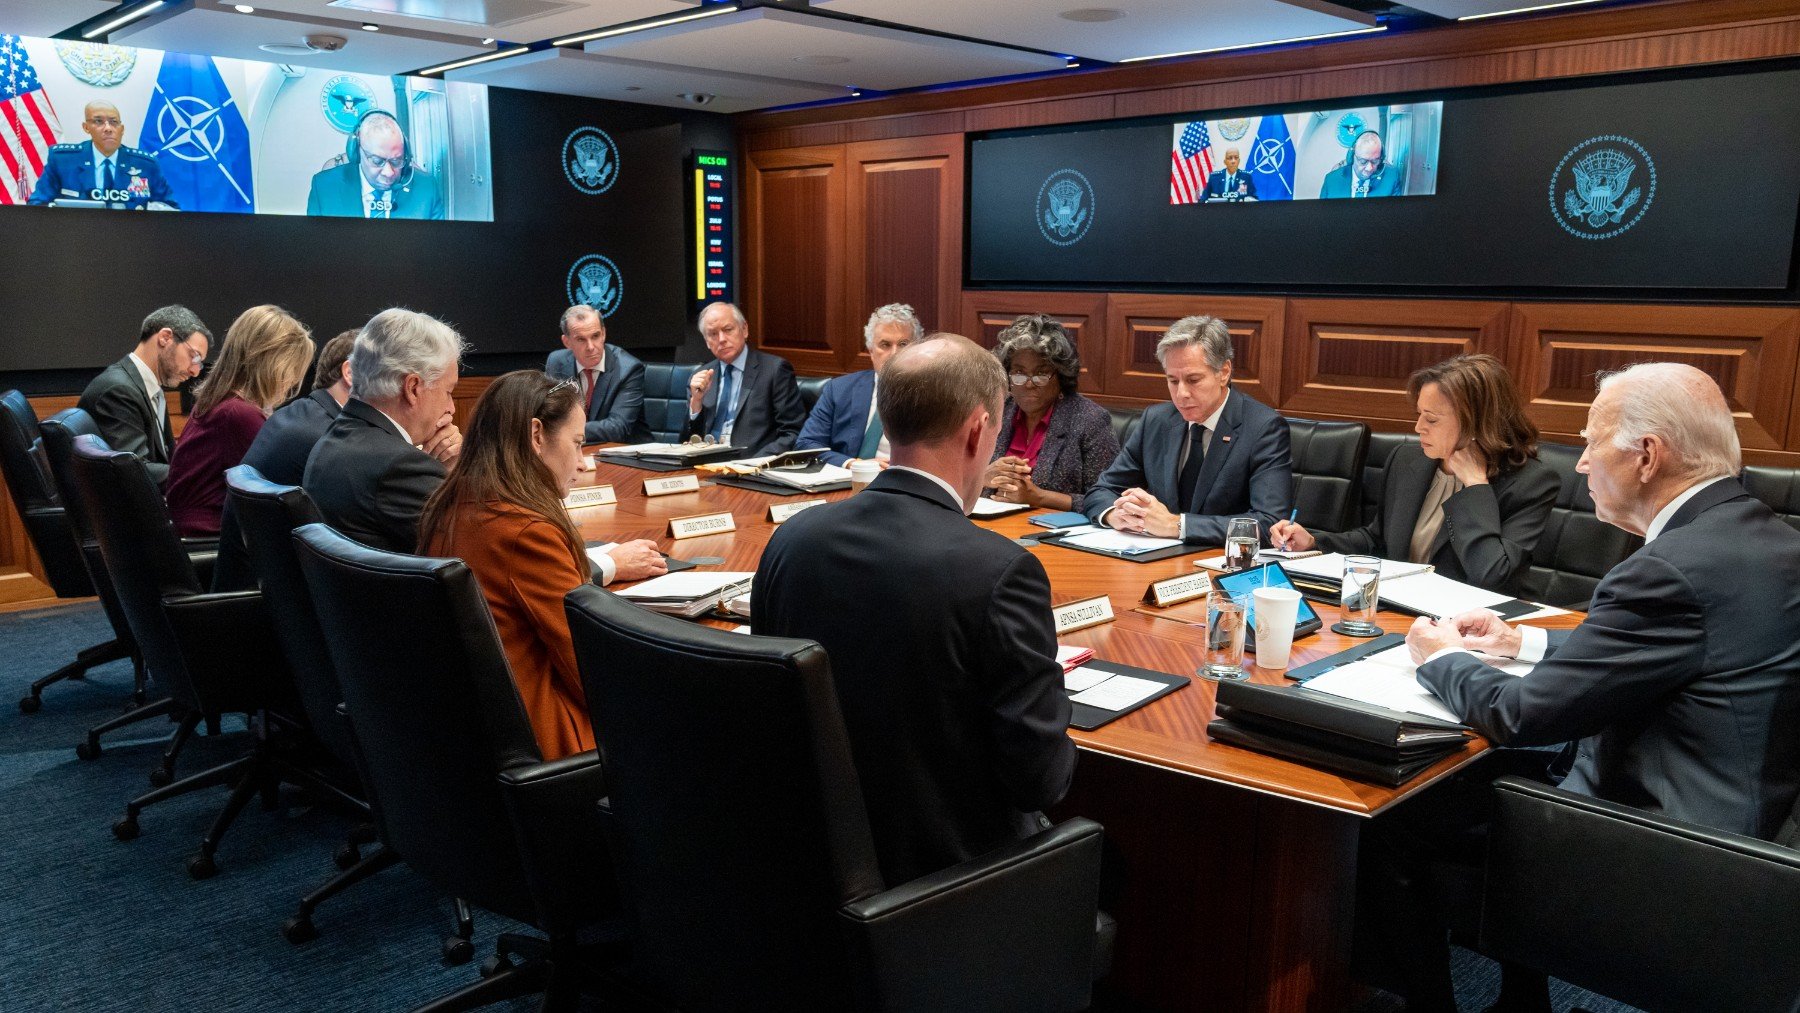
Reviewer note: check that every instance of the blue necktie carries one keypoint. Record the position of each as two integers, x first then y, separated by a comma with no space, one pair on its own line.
723,416
111,181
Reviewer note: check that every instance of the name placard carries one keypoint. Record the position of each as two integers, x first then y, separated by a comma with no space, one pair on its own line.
671,485
779,512
593,495
1176,590
702,524
1079,615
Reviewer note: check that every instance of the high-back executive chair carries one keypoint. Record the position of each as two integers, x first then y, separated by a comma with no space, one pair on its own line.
1577,548
1328,466
743,847
666,399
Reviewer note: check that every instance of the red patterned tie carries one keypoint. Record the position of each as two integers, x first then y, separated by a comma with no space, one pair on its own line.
590,387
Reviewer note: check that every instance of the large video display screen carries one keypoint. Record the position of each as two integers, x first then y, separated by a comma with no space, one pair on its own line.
87,125
1316,154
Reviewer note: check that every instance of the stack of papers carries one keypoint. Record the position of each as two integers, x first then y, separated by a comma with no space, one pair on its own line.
1330,566
690,593
1107,690
673,450
1390,679
985,508
1108,540
826,474
738,606
802,469
1071,658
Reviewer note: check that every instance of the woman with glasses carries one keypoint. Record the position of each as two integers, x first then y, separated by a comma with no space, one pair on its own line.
1053,442
265,356
500,511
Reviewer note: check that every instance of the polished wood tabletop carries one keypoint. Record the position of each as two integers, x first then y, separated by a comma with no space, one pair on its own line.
1169,733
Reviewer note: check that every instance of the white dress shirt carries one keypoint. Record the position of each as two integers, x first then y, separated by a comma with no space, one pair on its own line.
1211,426
957,496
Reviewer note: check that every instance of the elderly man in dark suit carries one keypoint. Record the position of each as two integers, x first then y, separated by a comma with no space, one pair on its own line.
754,403
956,712
612,379
1209,455
844,422
126,399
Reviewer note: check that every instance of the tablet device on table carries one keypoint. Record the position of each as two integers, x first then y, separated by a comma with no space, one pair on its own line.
1242,582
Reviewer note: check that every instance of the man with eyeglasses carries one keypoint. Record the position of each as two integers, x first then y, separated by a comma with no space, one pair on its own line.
378,178
844,421
103,169
126,399
1365,172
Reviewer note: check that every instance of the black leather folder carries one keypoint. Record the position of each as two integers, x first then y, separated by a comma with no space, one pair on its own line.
1387,747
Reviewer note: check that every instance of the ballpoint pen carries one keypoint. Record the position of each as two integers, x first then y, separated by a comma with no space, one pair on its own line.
1293,515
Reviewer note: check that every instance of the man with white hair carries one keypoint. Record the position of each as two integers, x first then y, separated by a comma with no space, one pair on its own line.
744,397
1683,683
844,421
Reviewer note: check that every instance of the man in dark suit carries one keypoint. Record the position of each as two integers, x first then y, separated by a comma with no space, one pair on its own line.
1230,183
844,421
950,688
612,379
761,409
379,180
126,399
1209,455
1365,172
386,452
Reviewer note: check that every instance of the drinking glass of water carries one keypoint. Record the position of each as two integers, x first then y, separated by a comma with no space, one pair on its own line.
1224,658
1360,596
1241,541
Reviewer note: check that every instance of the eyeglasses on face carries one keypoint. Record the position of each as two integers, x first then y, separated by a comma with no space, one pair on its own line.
193,353
375,161
1033,380
103,121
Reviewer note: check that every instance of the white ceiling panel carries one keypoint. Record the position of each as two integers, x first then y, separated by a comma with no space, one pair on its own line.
785,45
572,72
450,17
44,18
1474,8
1143,27
223,32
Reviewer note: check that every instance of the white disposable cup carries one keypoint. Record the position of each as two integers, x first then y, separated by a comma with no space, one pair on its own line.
1277,608
862,473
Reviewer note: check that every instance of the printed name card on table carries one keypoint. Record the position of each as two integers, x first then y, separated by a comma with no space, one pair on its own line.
1175,590
672,485
593,495
1079,615
702,524
779,512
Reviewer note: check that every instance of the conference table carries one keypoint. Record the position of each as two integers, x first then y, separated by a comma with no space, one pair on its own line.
1231,873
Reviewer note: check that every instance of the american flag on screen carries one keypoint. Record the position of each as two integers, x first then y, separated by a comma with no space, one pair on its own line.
28,125
1193,162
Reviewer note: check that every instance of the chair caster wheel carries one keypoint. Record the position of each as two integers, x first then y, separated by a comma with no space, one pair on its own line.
494,965
346,856
299,929
202,867
126,829
458,950
30,704
88,750
160,777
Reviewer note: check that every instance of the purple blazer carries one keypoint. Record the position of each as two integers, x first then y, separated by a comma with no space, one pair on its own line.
1077,447
209,444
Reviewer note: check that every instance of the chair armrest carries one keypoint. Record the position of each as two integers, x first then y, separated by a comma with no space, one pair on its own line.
203,555
553,810
1012,929
233,657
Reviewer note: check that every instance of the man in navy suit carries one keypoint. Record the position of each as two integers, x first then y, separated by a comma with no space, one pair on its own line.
1207,456
1230,183
379,180
755,404
1365,172
102,169
844,421
611,379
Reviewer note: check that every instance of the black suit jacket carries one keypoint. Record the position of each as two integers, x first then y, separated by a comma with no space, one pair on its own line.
1683,683
122,409
1248,470
769,414
278,454
616,413
369,481
1489,530
944,656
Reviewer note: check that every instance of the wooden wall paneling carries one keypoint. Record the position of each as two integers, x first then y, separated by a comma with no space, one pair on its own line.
1351,357
1135,323
888,128
1764,39
1750,351
1212,95
1013,115
903,235
794,254
1082,314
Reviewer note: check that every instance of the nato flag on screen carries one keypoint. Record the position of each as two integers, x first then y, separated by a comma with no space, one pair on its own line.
197,134
1271,159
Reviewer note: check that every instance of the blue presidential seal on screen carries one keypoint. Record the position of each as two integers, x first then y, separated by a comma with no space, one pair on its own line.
595,281
590,160
1602,187
1065,207
343,100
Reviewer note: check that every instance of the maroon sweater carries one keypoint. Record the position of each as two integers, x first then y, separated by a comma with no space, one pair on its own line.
209,444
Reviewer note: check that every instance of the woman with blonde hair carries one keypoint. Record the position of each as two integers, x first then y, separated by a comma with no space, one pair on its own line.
264,359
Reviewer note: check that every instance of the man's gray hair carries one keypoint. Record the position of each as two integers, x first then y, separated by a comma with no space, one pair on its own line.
736,314
580,311
930,387
1209,333
178,319
893,313
1684,407
397,343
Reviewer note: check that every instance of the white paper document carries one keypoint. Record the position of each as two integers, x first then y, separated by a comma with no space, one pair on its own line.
686,585
1079,679
1436,595
986,507
808,480
1119,541
1330,566
1117,693
1390,679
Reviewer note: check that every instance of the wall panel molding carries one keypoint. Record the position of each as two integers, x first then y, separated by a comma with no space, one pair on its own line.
1135,323
1351,357
904,208
793,294
1082,314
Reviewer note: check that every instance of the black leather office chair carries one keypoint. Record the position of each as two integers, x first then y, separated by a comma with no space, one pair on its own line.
1328,467
451,764
1778,487
811,387
1374,472
665,398
1654,912
1124,420
741,839
1576,548
28,479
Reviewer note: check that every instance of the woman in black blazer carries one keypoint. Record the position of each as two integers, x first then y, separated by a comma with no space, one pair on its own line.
1472,498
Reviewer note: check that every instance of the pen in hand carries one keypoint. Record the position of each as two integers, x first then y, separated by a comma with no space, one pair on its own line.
1293,516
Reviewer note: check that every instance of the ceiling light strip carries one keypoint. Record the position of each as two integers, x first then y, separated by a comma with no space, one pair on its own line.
606,33
1258,45
122,20
444,68
1524,10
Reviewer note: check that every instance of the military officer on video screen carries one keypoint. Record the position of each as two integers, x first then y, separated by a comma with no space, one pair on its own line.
378,178
103,169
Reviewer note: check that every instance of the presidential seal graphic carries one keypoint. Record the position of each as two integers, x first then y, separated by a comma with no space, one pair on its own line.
591,160
1602,187
595,281
1065,207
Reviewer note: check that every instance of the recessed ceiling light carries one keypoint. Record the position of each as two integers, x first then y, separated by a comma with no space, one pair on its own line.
244,9
367,27
820,60
1257,45
1092,14
855,92
287,49
1073,63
